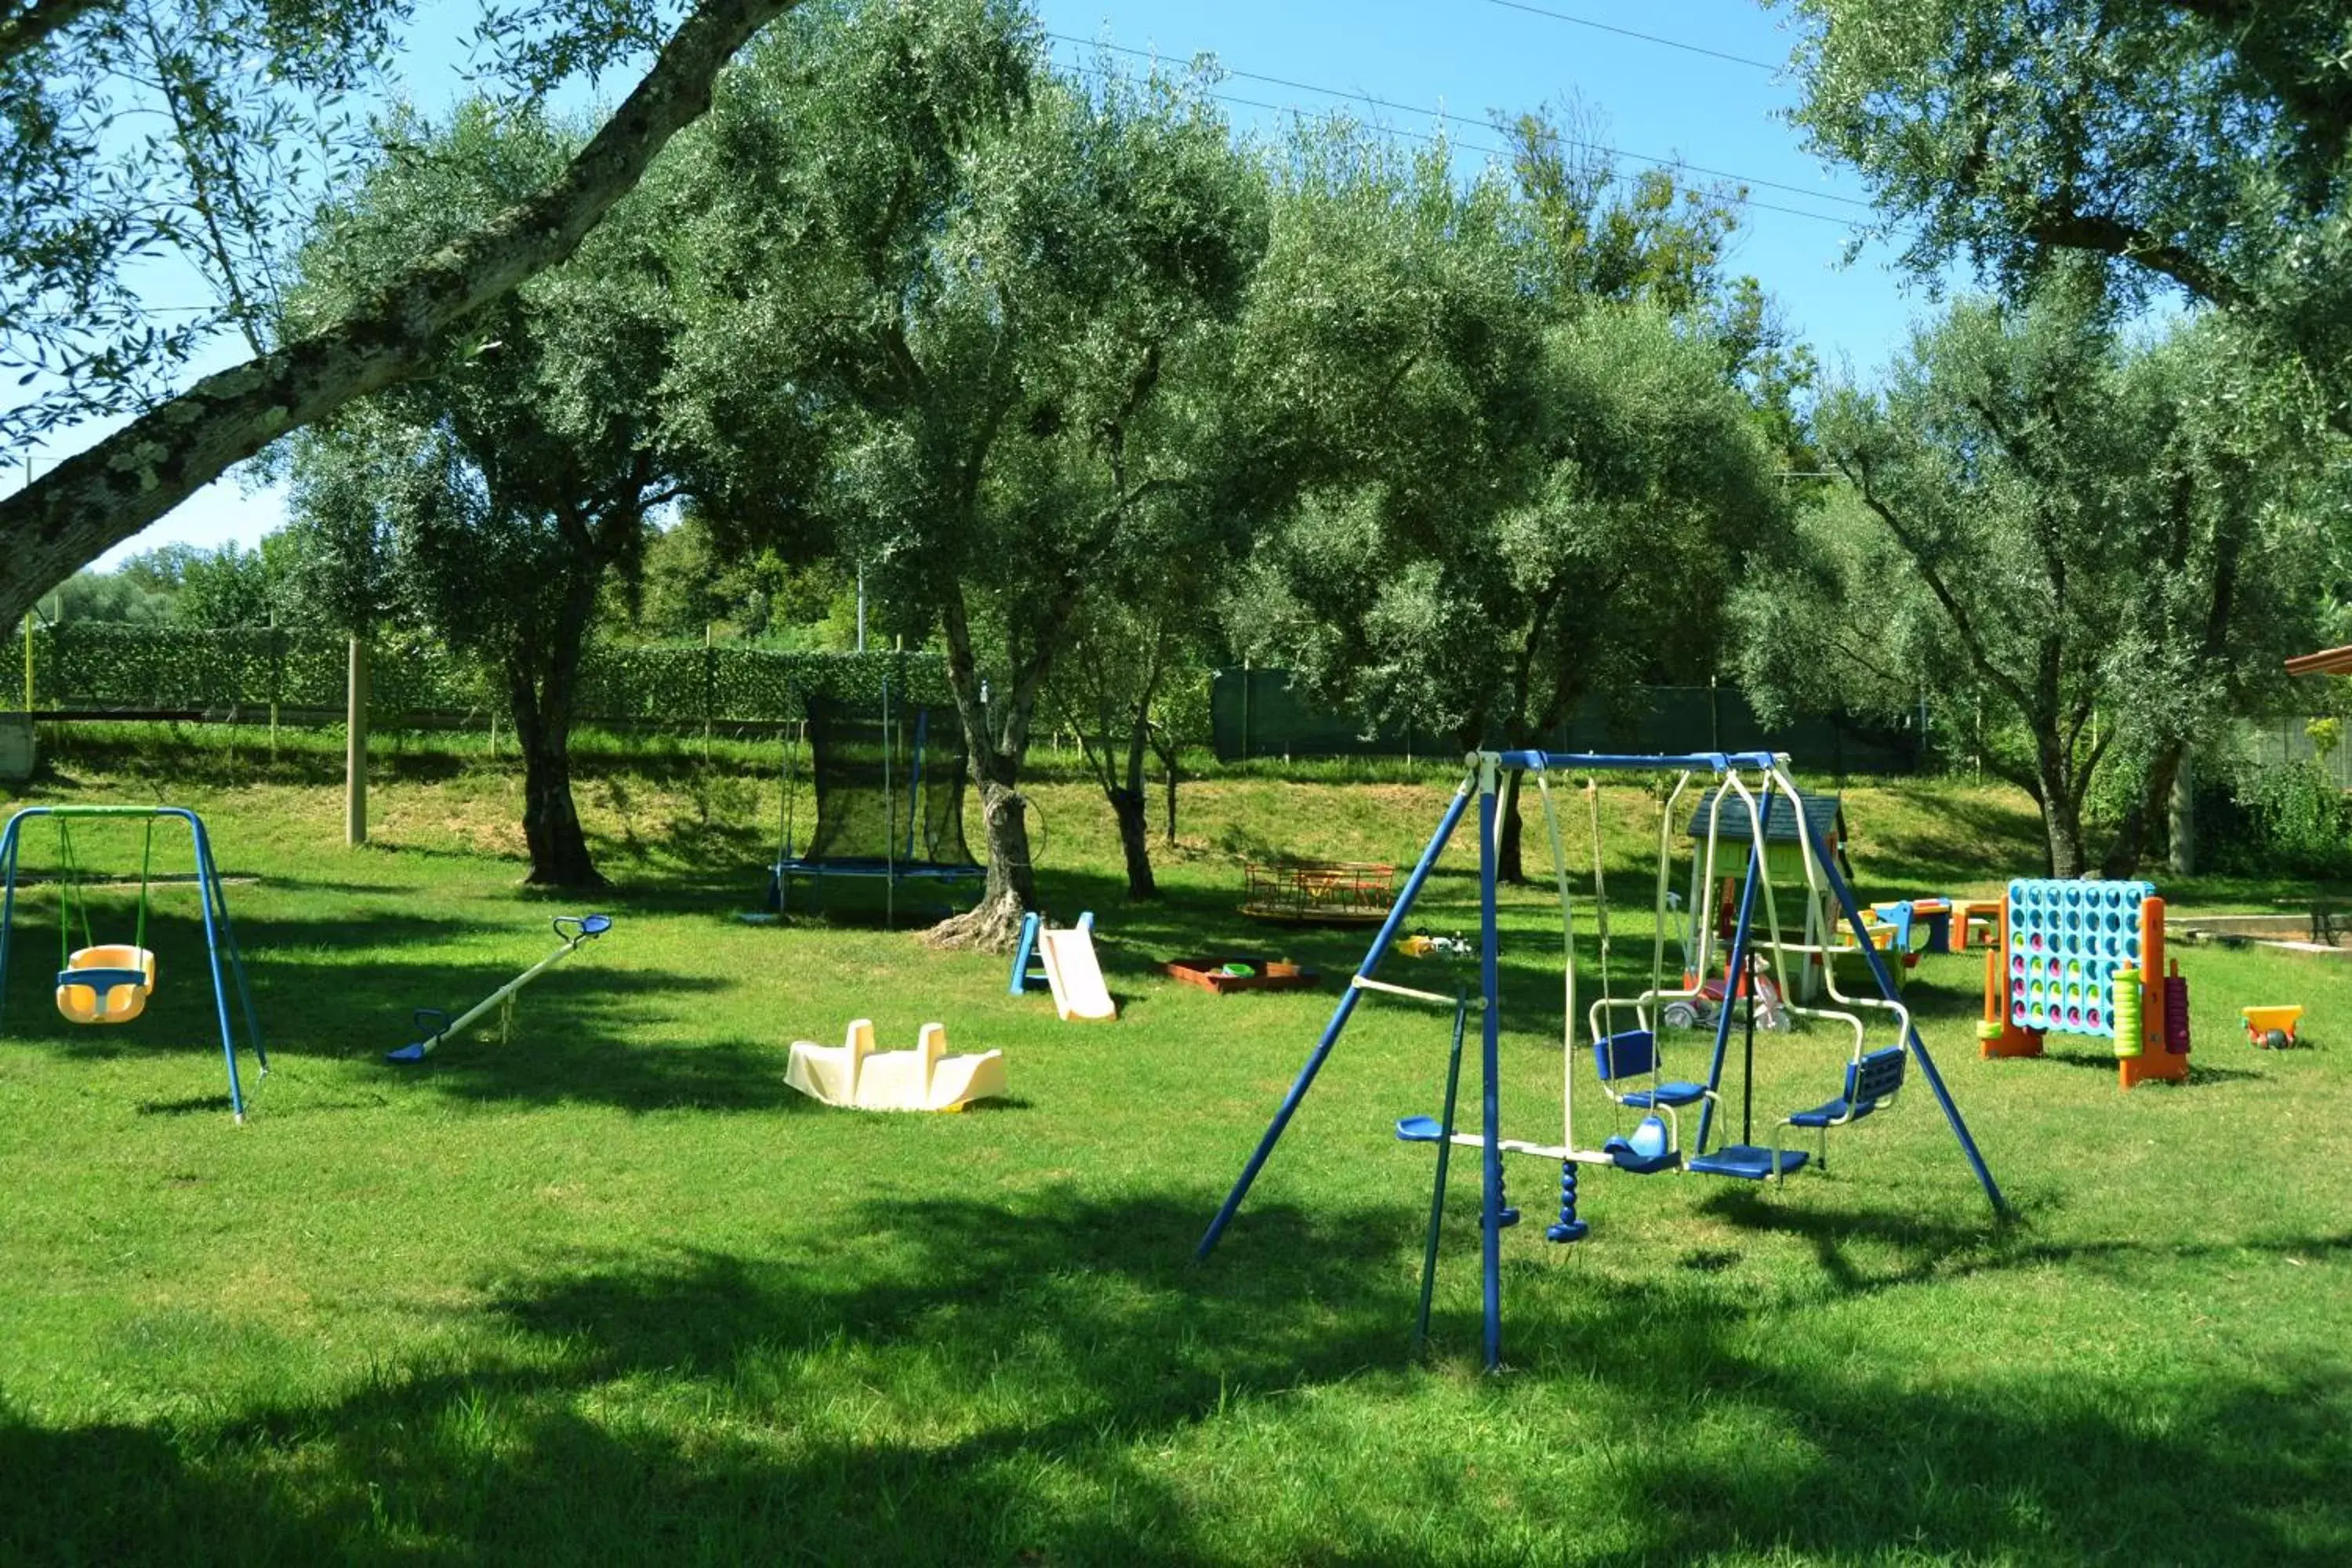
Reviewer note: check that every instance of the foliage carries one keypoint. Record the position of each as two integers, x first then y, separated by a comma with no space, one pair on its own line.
1526,469
76,224
203,131
1393,361
86,663
692,586
987,366
232,587
186,585
1132,686
504,490
2257,818
2107,543
2198,141
197,130
110,596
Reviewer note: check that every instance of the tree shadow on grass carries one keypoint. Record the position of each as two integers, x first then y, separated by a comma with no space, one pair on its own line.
945,1378
324,991
577,1035
506,1457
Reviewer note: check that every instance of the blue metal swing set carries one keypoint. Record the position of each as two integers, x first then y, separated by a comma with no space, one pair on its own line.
109,984
1873,1077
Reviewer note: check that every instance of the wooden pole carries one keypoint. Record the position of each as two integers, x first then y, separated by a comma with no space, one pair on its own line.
355,740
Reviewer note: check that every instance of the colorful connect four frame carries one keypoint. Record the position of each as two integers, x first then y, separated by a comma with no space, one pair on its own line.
2066,940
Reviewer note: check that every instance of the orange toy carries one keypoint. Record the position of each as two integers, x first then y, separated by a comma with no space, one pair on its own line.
2154,1061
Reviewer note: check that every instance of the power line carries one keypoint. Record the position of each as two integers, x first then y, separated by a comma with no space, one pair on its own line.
1630,33
1650,159
1667,164
1435,140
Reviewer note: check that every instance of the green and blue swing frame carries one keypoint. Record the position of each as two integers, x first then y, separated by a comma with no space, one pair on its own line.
1481,781
220,934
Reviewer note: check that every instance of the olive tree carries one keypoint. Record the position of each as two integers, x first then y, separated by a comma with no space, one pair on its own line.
981,294
495,499
2191,143
2106,541
1515,488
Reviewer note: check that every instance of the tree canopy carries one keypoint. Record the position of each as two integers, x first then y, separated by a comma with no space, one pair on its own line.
1512,413
984,366
2107,542
220,187
2207,143
493,499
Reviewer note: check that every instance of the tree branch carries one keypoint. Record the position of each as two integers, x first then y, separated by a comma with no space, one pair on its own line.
111,491
2110,235
2027,455
27,27
1962,622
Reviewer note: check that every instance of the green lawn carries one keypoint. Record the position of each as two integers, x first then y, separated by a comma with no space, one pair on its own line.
610,1292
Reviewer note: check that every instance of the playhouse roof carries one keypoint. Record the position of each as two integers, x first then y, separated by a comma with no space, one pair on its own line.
2327,661
1821,810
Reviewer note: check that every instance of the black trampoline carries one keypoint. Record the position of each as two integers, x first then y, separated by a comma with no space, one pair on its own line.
888,784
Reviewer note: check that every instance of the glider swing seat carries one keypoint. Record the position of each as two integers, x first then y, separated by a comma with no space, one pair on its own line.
110,982
890,801
1871,1082
1619,1055
1628,1060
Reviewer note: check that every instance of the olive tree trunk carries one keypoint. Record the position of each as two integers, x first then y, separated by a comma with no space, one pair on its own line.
543,679
996,738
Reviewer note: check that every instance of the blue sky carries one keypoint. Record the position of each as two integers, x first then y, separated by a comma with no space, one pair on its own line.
1463,59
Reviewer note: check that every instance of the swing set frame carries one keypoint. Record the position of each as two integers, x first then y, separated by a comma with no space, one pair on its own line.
220,935
1483,774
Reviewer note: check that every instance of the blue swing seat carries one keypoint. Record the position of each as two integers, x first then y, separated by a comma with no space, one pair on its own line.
1746,1162
1646,1154
1871,1084
1634,1053
1675,1093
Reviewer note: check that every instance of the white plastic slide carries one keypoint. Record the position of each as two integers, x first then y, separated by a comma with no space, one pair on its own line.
855,1074
1079,994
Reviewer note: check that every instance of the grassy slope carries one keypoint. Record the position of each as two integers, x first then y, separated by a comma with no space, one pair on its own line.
610,1292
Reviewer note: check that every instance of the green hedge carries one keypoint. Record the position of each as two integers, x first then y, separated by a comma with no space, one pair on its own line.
107,667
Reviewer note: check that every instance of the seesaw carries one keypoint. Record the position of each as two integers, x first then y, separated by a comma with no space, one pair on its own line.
574,931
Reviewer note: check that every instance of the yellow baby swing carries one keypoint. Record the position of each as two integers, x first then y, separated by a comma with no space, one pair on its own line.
101,982
108,982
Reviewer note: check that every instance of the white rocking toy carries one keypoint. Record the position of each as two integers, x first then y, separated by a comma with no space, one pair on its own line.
854,1074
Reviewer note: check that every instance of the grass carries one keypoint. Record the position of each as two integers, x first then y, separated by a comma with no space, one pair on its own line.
609,1292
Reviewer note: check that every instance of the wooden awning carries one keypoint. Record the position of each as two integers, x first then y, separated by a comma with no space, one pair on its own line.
2327,661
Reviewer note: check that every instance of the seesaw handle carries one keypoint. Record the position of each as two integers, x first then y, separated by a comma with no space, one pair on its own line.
577,928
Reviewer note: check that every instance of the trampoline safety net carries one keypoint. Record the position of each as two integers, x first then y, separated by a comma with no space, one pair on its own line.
888,784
